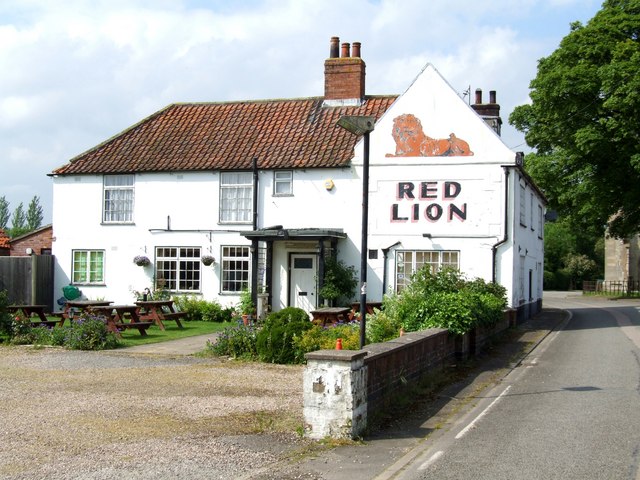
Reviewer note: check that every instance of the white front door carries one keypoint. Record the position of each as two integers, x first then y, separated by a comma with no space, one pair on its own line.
303,281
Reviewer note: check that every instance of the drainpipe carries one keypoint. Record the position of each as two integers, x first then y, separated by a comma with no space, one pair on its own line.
254,242
254,167
494,249
385,252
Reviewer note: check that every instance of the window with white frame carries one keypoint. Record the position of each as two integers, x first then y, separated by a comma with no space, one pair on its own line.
118,199
409,262
283,182
531,210
235,264
178,269
540,222
88,267
236,197
523,206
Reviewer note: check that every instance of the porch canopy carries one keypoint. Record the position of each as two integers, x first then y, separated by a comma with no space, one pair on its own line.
278,233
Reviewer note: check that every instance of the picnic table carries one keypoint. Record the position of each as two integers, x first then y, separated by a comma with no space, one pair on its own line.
38,311
329,315
355,308
71,306
117,316
159,311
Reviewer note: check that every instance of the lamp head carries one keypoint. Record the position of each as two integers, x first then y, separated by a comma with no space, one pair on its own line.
357,124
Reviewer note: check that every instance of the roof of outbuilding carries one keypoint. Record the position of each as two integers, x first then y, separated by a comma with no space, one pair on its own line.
295,133
5,241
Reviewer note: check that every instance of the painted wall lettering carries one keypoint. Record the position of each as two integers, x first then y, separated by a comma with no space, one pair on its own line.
409,209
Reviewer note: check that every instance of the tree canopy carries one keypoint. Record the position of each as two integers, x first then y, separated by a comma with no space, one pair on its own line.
4,212
583,122
34,214
18,221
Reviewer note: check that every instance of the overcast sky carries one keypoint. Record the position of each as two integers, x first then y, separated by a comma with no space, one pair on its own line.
74,73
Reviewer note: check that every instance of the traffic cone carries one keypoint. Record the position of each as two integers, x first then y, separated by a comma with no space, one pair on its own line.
339,344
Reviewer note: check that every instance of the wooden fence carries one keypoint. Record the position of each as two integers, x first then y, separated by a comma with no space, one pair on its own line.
624,287
28,280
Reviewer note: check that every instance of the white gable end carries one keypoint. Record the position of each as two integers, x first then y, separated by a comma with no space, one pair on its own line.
440,113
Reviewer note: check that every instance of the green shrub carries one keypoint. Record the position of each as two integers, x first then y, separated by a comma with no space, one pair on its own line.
324,338
445,299
286,315
89,332
200,309
447,310
339,282
236,342
381,327
59,335
275,343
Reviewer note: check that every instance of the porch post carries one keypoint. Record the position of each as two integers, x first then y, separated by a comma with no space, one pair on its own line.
320,271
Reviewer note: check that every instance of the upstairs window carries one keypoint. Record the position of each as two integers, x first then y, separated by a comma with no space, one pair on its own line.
523,206
540,222
118,199
88,267
236,197
178,269
283,182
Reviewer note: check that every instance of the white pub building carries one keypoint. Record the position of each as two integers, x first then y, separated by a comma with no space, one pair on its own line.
271,188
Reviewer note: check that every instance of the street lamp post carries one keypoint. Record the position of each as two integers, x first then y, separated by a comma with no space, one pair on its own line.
362,125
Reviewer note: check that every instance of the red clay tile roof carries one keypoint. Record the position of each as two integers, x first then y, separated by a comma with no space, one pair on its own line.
5,241
298,133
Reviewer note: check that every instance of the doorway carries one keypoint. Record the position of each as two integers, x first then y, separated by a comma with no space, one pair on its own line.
302,286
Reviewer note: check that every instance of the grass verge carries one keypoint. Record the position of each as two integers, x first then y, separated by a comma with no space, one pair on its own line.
132,337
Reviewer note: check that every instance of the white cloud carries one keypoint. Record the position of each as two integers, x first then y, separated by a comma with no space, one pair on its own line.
76,72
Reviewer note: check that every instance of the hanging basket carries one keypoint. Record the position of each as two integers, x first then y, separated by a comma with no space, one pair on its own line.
208,260
141,260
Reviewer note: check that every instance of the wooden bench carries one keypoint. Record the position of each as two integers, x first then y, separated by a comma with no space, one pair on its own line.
158,311
141,326
176,316
47,323
36,314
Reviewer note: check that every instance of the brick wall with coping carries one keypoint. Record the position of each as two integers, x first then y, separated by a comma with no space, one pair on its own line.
342,388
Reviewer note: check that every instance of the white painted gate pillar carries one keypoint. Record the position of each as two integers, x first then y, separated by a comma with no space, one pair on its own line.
335,394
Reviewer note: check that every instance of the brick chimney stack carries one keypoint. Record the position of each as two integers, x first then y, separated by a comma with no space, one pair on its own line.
490,112
344,75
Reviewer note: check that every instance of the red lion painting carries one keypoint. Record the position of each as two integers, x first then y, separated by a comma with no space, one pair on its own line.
411,141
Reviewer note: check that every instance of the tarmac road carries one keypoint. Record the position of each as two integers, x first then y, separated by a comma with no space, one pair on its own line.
569,409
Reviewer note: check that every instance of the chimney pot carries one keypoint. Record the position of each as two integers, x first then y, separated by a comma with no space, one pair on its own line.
344,78
334,50
492,96
478,96
356,50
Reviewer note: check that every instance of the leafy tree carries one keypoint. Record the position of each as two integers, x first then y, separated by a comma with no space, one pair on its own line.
578,268
583,121
34,214
4,212
559,242
18,221
562,244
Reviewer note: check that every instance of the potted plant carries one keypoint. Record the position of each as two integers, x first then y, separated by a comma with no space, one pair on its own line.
339,283
208,260
141,260
246,308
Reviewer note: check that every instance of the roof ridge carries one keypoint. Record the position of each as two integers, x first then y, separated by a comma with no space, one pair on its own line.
270,100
